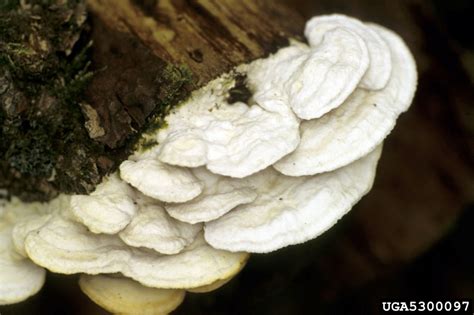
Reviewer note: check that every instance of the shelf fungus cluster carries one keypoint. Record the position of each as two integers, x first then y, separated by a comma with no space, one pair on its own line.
224,180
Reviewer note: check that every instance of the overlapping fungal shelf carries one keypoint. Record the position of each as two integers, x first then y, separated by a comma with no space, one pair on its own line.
226,180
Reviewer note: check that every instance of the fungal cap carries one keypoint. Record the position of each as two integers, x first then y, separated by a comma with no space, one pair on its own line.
120,295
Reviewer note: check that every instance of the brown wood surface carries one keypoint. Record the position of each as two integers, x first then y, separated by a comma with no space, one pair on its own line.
208,36
146,56
143,50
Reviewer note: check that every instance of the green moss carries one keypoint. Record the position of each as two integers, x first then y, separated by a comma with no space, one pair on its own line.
45,67
32,153
172,80
44,70
6,5
76,76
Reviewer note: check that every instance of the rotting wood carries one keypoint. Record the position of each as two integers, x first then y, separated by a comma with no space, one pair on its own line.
149,48
208,36
146,57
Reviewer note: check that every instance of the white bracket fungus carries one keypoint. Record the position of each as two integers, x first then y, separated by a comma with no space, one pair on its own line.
33,217
220,195
108,209
360,124
161,181
23,228
20,278
123,296
330,71
65,246
292,210
153,228
378,73
234,140
256,177
219,283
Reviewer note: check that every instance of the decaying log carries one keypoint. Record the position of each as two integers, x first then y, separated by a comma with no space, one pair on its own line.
208,36
146,56
154,52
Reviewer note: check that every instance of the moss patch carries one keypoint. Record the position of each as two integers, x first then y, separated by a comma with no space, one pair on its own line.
57,90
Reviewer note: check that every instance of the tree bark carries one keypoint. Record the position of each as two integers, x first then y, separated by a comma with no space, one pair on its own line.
153,53
149,48
147,56
208,36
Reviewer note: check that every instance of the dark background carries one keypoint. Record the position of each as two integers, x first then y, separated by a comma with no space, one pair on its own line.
411,237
